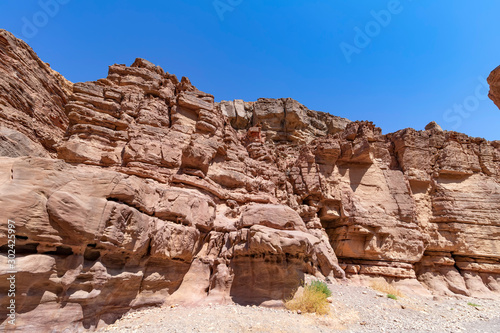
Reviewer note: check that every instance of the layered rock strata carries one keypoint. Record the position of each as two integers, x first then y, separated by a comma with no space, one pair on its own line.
139,190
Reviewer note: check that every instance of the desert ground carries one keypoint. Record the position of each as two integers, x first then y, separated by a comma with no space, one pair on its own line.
354,309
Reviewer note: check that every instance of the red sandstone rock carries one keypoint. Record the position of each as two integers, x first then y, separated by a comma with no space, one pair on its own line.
494,82
159,195
32,95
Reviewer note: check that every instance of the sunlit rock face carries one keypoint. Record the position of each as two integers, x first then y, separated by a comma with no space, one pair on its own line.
139,190
494,82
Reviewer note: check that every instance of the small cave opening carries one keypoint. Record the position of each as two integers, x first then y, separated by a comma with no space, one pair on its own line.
91,254
30,248
62,250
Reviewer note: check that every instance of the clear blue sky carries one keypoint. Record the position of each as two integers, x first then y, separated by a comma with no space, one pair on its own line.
426,61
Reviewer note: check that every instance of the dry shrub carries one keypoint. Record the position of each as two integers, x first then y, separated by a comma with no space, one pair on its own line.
310,300
386,288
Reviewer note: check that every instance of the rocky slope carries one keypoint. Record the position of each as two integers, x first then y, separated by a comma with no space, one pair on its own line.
138,189
32,99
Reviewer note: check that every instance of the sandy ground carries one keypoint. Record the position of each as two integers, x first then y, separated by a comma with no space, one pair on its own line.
354,309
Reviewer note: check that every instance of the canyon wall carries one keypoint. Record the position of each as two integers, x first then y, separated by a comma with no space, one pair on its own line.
140,190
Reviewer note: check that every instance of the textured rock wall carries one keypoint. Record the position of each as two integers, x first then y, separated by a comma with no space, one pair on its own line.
32,99
143,191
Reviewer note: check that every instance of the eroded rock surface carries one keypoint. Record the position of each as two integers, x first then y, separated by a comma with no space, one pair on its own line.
494,82
32,95
144,191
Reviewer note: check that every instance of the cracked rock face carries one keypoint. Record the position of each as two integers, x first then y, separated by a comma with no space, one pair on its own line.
139,190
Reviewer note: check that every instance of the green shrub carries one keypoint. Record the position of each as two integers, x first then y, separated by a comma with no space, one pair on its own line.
473,304
392,296
321,287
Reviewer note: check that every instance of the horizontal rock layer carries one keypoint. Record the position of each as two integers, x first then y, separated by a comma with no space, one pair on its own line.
141,190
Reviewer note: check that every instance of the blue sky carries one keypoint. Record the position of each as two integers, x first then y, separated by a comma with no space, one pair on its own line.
408,62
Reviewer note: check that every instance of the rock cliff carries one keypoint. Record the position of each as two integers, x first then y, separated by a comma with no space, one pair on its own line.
139,190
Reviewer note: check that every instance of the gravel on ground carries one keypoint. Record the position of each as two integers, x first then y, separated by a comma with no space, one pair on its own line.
354,309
